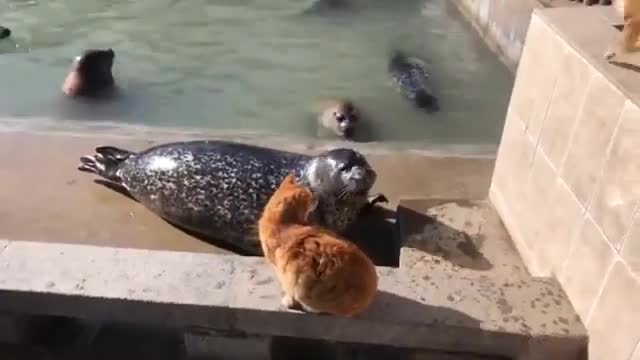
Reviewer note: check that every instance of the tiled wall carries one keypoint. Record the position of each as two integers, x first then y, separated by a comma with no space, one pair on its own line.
502,23
567,185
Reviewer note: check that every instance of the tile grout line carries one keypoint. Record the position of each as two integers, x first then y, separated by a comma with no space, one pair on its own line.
536,142
635,216
563,160
598,298
617,256
634,348
607,152
537,145
587,206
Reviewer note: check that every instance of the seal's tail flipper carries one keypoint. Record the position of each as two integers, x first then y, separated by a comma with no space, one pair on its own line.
427,101
105,162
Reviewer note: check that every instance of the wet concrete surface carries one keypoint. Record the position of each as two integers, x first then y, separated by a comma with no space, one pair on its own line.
44,198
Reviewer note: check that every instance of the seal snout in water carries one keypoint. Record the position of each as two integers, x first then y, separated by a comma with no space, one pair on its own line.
91,74
218,189
4,32
410,76
340,117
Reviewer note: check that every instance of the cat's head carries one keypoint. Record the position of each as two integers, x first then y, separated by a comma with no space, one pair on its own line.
291,203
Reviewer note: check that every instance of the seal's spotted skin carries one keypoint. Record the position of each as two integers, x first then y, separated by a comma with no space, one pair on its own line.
219,189
412,80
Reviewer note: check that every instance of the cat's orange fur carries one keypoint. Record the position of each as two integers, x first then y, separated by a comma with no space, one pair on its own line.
630,10
318,271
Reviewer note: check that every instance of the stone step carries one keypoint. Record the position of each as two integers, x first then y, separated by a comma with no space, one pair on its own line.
434,310
456,235
466,238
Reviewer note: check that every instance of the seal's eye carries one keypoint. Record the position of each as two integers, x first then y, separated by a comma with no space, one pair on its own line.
339,117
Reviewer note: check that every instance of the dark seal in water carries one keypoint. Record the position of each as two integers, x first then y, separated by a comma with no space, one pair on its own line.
410,76
219,189
91,74
4,32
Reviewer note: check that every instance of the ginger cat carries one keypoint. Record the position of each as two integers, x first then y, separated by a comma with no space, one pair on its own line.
318,271
630,10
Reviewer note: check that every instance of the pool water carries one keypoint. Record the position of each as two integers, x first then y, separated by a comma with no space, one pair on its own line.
254,65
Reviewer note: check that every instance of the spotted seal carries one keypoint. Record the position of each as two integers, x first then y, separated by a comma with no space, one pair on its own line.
340,117
410,76
218,189
91,74
4,32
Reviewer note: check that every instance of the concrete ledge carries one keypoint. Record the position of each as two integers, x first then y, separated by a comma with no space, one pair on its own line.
471,313
70,208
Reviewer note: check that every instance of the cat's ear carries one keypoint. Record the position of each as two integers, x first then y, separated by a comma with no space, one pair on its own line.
290,180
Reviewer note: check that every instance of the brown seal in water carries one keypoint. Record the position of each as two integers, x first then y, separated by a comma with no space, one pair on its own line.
90,74
340,117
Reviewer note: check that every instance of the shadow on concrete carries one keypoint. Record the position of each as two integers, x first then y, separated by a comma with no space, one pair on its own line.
396,312
375,232
126,341
66,338
392,309
625,65
428,234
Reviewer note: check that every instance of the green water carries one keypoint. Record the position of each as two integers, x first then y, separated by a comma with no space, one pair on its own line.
253,65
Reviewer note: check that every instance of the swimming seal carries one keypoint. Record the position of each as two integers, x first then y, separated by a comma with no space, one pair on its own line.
4,32
339,117
218,189
91,74
410,76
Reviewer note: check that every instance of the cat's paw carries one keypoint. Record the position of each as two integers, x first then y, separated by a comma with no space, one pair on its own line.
289,303
610,55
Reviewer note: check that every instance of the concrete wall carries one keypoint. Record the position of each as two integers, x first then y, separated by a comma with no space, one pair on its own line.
502,23
567,179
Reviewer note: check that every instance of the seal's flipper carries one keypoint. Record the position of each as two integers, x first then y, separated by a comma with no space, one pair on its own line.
105,162
114,153
378,198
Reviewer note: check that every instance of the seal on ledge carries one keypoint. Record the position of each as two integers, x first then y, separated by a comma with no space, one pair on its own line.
218,189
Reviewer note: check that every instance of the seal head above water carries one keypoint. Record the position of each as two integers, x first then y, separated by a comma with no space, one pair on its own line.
91,74
4,32
411,78
340,117
218,189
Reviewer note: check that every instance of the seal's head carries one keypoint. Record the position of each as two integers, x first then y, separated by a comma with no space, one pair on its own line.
91,73
4,32
341,173
342,118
